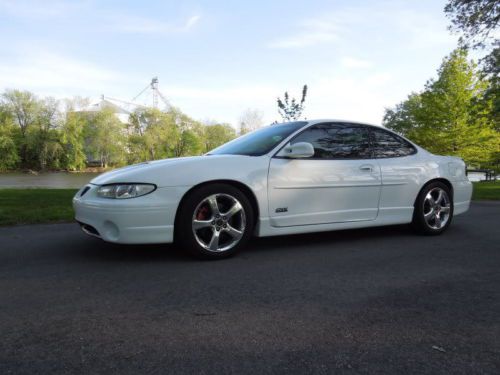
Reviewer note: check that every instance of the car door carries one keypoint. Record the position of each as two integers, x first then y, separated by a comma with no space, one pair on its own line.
401,171
339,183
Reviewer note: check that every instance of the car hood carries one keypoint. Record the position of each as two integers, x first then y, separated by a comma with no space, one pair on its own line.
141,170
185,171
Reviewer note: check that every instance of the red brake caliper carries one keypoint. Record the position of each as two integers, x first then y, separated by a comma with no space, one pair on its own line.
202,213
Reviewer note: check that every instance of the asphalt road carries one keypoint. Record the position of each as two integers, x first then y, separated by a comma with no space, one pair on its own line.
380,300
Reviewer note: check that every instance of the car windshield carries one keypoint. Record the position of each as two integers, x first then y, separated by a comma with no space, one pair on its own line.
259,142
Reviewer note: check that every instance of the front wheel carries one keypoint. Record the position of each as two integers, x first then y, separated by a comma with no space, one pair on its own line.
215,221
433,209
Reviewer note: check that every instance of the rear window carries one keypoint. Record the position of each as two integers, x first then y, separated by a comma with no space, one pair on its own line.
389,145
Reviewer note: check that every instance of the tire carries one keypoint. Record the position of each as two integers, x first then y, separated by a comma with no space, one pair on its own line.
433,209
215,221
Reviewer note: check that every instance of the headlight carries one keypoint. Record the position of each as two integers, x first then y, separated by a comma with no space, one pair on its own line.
124,191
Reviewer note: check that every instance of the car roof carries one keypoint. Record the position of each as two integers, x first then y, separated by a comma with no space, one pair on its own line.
308,123
340,121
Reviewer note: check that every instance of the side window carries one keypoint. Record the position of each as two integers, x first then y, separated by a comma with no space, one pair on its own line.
337,141
388,145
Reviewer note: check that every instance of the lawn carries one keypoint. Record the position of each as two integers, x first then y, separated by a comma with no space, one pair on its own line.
486,190
33,206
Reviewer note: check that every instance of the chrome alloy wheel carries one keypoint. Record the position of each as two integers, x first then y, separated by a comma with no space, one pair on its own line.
437,208
218,222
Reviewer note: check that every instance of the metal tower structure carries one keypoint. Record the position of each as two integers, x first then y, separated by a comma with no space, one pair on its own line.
155,93
149,96
154,89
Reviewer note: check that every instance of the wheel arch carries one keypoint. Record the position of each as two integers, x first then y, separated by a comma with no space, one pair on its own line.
439,179
245,189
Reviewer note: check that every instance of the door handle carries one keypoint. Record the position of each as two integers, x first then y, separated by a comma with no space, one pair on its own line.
366,168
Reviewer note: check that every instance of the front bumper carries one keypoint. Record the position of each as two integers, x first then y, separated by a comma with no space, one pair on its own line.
142,220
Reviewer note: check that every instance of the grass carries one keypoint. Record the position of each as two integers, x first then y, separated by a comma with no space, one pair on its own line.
486,190
35,206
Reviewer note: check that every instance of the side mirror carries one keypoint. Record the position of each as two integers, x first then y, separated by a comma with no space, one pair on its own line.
298,150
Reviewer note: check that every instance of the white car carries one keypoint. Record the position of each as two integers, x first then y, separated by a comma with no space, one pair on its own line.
295,177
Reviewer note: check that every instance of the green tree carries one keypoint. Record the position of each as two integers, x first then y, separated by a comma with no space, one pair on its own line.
34,133
478,21
44,144
217,134
155,134
291,110
38,139
450,116
137,151
188,141
8,150
189,144
491,71
24,108
106,138
73,140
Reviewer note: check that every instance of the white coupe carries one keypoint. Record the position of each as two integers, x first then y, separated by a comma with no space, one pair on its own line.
295,177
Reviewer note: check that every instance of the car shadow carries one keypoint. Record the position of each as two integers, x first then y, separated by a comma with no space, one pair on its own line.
338,237
104,251
93,248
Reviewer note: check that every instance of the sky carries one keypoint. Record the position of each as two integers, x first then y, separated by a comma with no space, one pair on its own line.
214,59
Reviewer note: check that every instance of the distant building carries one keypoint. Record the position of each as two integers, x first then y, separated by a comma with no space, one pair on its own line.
121,113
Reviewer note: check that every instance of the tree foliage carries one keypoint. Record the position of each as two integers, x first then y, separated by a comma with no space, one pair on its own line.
23,108
49,134
105,138
250,120
8,151
44,145
491,71
36,122
156,134
291,109
73,141
450,116
476,19
216,135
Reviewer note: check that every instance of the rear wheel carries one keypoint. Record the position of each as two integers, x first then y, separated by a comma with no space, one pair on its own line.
215,221
433,209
